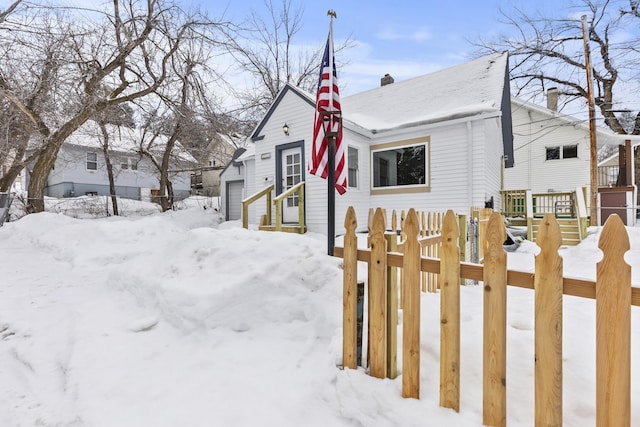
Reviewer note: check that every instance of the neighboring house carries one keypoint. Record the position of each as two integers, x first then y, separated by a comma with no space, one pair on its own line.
205,180
551,149
552,153
80,166
434,142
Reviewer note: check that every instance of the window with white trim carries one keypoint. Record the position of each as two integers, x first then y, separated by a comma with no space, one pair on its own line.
400,166
352,163
128,163
562,152
92,161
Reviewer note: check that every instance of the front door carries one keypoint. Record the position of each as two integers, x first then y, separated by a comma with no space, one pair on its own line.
291,168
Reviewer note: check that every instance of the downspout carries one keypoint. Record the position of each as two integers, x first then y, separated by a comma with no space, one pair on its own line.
634,203
529,144
470,164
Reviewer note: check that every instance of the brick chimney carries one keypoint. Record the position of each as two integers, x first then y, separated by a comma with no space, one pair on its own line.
552,98
386,80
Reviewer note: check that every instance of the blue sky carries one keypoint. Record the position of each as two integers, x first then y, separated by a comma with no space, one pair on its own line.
402,38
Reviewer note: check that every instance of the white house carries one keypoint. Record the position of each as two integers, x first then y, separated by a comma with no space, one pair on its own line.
551,149
435,142
552,153
80,167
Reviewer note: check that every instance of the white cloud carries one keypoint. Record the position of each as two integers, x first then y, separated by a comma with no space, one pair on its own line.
418,35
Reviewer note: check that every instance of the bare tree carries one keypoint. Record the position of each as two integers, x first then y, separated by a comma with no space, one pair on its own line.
127,48
548,51
8,11
266,50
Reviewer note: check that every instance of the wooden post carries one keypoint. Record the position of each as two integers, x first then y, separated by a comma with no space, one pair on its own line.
613,327
301,220
462,240
411,314
349,292
279,216
423,250
378,298
593,146
494,361
450,314
394,231
483,220
548,325
392,310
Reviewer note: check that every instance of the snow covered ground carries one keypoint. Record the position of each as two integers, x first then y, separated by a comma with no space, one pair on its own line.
176,319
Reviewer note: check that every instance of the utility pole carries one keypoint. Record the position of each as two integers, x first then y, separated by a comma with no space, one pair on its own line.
593,183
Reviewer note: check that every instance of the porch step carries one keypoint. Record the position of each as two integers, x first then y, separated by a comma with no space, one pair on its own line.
285,228
569,227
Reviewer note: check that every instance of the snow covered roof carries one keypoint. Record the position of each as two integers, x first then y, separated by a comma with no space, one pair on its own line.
464,90
603,135
125,140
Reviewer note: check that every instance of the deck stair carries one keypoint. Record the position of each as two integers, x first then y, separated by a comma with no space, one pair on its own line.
266,223
522,207
569,227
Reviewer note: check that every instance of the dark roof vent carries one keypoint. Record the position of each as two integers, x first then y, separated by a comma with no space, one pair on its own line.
386,80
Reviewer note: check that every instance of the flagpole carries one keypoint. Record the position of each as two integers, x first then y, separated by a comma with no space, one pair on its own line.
331,142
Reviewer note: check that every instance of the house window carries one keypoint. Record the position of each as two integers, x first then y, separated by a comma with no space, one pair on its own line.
400,166
570,152
128,163
92,161
352,176
553,153
564,152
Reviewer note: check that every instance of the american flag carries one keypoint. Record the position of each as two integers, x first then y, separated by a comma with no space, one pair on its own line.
328,101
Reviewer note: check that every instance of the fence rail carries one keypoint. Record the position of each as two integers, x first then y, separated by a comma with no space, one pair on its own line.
612,291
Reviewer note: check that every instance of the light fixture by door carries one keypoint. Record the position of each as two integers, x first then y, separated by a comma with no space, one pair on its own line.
285,129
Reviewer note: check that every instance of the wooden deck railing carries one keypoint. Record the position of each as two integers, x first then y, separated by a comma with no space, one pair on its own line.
267,191
612,291
296,189
266,220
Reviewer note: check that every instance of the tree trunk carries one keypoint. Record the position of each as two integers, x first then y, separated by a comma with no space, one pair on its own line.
8,178
39,177
166,188
170,196
20,135
109,166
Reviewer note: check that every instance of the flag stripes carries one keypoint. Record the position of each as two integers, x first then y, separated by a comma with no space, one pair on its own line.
328,115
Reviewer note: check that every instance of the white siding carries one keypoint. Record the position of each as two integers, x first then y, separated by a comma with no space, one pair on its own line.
231,174
533,133
449,172
460,151
71,167
491,131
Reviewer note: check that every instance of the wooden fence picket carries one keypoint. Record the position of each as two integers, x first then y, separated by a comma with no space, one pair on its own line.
613,327
450,314
411,314
392,310
423,249
494,361
612,291
350,290
378,298
548,325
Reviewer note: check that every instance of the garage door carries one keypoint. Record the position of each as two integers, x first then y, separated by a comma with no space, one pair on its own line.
234,200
